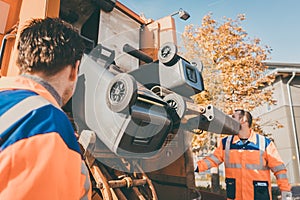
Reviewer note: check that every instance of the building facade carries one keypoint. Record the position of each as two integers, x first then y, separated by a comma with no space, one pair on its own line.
287,112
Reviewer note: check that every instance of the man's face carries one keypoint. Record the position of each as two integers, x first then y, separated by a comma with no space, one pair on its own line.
237,115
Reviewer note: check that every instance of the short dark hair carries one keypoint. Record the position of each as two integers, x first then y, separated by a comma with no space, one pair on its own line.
248,115
48,45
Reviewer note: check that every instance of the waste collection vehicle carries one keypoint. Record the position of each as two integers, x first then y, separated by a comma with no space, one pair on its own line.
132,106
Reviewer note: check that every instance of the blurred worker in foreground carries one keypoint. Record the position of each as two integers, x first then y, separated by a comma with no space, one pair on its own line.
248,159
39,154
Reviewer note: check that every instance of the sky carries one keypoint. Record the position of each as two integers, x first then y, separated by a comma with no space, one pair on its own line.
275,22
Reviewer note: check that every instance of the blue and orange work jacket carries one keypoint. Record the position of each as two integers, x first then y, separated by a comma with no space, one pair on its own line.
248,166
39,154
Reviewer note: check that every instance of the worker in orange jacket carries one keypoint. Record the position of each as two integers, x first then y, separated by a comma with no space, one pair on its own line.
248,159
39,154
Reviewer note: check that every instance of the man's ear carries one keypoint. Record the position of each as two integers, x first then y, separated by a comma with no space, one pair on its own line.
74,71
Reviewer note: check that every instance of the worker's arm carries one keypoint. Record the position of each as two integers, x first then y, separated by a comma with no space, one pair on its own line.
40,157
277,166
41,167
212,160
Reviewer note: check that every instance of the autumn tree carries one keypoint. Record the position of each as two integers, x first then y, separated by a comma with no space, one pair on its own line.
234,72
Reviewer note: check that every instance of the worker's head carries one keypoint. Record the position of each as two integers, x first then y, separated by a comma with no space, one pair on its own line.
47,46
243,117
51,49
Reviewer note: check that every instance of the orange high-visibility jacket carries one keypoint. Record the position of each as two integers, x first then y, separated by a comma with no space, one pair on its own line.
247,167
39,154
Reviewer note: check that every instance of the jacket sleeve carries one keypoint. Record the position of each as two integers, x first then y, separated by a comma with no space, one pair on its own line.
212,160
41,167
277,166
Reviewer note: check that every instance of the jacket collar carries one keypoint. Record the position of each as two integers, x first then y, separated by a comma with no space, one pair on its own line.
252,138
46,85
24,83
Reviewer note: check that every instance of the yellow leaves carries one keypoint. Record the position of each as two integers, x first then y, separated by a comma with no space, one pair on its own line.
256,41
279,125
202,98
233,69
242,17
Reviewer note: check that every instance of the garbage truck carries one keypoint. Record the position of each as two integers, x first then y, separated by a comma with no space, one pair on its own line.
132,107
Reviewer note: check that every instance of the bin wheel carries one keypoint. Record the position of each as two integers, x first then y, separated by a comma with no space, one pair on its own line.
176,102
167,54
121,93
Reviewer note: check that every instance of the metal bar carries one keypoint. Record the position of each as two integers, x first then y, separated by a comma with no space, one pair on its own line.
3,44
138,193
214,120
101,182
115,191
99,177
137,53
149,182
195,108
126,183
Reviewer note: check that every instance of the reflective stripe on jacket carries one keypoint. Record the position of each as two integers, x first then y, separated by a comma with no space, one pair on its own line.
39,155
247,166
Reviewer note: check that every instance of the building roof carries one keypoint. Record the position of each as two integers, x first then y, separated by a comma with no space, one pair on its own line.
279,68
282,65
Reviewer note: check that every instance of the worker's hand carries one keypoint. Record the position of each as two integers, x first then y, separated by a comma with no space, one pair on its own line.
286,195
